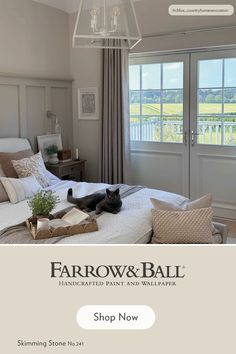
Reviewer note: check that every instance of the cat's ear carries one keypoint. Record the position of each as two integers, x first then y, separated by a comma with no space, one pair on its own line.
117,191
108,191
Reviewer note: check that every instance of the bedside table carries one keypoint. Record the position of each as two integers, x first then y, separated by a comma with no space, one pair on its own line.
72,170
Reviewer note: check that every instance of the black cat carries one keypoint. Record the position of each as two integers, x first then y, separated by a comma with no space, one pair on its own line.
109,201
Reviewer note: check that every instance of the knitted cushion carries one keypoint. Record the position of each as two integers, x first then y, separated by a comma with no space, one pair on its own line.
177,227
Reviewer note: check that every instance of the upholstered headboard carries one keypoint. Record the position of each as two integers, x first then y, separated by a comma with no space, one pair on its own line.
14,144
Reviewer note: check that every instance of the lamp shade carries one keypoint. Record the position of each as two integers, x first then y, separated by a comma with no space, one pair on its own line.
106,24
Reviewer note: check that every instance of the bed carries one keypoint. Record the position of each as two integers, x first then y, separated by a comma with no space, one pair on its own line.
132,225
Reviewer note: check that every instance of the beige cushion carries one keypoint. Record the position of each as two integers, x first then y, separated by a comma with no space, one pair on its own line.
19,189
6,158
32,166
3,194
176,227
2,174
203,202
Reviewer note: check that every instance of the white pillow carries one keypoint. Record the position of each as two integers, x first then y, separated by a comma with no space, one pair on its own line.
32,166
52,178
19,189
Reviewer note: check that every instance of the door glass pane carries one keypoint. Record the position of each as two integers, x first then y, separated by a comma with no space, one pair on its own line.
151,76
135,129
134,77
173,129
151,102
230,72
210,73
210,130
217,107
173,75
230,101
210,102
229,129
151,129
134,97
173,102
156,108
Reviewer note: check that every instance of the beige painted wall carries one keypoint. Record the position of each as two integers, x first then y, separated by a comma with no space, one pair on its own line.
86,69
34,39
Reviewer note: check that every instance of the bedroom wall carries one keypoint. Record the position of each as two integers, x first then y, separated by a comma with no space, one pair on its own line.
86,64
34,52
86,70
34,39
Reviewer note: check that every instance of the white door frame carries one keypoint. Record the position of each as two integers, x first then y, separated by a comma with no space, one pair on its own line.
211,166
159,152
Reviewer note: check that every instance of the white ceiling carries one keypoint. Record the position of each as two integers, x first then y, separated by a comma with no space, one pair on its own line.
149,11
69,6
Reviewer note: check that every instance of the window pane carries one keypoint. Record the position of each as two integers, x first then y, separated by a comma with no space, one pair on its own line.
135,129
217,130
151,103
210,102
151,130
173,130
210,130
210,73
173,75
230,72
151,76
173,102
134,77
134,102
229,129
230,101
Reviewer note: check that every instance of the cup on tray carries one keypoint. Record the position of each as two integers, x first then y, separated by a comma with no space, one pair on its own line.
43,224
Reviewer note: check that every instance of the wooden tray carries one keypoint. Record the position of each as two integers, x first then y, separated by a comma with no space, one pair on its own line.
89,225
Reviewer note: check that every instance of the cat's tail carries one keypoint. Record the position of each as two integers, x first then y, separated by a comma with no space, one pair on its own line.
70,197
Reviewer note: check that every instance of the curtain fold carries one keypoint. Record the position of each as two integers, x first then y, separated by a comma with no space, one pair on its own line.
115,146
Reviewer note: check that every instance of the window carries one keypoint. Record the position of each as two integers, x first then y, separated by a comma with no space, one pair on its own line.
217,101
156,102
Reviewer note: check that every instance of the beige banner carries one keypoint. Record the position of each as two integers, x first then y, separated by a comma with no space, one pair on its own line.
192,314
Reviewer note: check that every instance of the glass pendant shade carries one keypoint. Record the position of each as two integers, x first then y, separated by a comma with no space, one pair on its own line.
106,24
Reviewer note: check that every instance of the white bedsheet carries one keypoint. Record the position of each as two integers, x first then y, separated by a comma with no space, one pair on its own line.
132,225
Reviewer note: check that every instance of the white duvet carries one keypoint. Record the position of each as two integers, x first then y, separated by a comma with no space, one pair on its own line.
132,225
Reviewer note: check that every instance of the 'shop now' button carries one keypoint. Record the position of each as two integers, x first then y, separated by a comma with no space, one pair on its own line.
116,317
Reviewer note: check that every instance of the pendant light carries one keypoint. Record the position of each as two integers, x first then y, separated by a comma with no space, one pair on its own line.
106,24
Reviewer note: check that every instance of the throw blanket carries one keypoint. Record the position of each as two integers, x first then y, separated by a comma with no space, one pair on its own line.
19,234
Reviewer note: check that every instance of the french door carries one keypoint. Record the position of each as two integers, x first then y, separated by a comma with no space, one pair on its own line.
159,122
213,123
183,125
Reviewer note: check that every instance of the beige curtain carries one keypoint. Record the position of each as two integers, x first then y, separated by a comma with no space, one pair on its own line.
115,151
